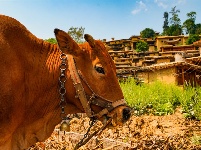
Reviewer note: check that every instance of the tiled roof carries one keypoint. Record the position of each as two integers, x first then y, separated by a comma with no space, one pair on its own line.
172,64
158,67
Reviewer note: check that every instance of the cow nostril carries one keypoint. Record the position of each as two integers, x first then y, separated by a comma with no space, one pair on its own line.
126,114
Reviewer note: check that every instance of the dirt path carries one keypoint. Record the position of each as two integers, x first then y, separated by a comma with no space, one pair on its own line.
171,132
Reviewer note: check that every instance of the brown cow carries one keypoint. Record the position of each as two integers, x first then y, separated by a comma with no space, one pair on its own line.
29,89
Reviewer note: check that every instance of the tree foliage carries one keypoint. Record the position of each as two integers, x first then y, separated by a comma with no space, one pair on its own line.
198,28
51,40
174,30
142,46
165,24
77,33
192,38
175,20
175,27
147,33
189,25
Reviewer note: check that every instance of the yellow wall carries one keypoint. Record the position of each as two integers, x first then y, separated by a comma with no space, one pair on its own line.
164,75
163,60
160,40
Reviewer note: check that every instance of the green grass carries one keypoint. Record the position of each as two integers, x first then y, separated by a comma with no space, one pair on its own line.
196,139
191,102
161,99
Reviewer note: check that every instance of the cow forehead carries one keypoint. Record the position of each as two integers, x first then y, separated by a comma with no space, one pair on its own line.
99,45
85,46
100,53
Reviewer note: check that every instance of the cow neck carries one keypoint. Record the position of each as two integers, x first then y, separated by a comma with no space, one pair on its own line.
86,100
51,54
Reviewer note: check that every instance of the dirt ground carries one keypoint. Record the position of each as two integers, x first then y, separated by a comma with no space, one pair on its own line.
147,132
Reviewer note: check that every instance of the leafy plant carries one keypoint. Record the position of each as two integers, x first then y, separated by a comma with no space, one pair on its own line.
142,46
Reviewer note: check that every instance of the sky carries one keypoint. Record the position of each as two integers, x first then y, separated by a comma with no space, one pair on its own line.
103,19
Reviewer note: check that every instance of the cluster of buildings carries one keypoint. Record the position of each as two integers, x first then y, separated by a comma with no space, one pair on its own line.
169,59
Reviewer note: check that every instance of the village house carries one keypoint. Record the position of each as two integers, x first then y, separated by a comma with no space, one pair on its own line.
168,60
178,73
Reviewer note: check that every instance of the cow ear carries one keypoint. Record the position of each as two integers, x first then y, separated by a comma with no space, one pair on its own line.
90,40
66,43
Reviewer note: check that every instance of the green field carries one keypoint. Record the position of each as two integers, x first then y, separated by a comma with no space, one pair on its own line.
161,99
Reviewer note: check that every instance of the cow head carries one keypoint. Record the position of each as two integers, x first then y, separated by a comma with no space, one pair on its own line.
98,77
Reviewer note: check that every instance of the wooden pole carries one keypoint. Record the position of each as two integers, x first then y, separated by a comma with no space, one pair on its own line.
183,76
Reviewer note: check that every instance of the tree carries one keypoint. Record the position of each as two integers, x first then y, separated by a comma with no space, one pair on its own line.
175,20
189,25
147,33
165,24
175,28
192,38
142,46
198,28
77,33
51,40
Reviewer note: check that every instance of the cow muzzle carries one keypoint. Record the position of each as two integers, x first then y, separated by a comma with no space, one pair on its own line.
119,115
126,114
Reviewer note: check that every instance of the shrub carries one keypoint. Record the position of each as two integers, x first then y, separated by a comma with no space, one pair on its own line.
147,33
142,46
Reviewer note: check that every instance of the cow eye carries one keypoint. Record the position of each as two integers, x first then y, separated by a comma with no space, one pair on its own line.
99,69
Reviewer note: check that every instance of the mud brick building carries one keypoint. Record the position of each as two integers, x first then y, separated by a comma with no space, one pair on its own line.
169,60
